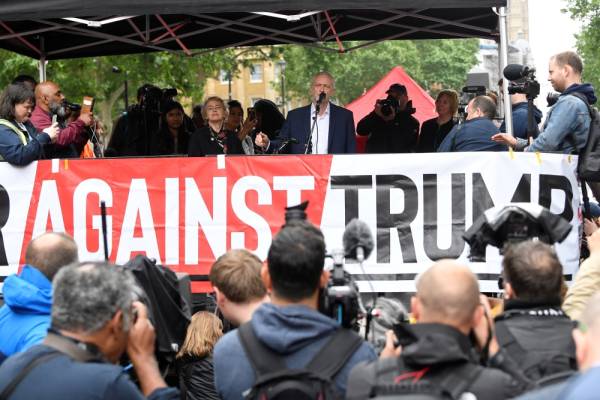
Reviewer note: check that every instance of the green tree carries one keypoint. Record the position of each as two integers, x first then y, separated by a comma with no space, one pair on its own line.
431,63
588,11
94,76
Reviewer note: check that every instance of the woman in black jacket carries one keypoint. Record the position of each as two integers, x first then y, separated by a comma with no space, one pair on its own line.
213,138
194,360
172,137
433,131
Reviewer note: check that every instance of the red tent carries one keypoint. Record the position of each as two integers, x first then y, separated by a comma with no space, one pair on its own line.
424,104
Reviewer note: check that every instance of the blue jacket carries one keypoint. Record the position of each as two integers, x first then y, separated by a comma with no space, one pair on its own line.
15,152
519,115
342,139
297,332
567,124
64,378
25,315
472,135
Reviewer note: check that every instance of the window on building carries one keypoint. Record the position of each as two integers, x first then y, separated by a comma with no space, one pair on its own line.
256,73
224,76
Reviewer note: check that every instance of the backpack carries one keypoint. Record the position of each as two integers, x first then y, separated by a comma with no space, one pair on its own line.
393,382
275,381
544,369
588,165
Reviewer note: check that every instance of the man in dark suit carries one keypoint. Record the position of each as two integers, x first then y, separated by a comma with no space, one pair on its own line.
332,131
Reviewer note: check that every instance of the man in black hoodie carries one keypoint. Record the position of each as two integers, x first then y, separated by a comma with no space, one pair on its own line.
391,128
532,281
568,122
437,351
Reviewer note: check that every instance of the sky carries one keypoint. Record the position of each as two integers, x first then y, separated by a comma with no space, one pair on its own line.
550,32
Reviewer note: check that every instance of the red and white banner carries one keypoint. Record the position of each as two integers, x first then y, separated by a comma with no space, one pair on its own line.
185,212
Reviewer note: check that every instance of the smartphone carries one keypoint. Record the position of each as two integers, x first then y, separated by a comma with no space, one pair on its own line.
87,105
251,113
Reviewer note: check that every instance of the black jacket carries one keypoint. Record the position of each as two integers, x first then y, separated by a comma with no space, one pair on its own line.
203,143
432,135
441,349
196,378
397,136
537,337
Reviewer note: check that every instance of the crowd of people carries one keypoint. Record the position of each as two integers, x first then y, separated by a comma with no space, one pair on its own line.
78,329
36,123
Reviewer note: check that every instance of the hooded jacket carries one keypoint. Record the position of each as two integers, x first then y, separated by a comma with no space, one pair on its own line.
438,350
25,315
295,332
567,124
519,114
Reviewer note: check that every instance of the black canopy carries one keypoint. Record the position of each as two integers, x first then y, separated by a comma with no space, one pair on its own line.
57,29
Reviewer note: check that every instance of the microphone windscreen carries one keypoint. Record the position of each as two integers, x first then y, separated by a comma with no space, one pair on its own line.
357,234
513,72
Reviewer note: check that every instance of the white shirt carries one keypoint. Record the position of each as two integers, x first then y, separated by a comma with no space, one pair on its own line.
320,135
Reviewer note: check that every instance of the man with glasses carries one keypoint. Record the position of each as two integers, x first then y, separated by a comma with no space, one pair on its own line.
319,128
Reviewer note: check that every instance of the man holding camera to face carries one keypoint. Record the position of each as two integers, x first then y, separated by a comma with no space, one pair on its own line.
390,126
436,354
72,136
96,318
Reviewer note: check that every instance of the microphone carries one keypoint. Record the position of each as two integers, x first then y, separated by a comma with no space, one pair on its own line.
358,240
321,98
514,72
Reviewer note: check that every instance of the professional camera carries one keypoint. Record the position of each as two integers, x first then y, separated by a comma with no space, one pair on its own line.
340,300
72,107
388,105
153,97
522,80
467,94
512,224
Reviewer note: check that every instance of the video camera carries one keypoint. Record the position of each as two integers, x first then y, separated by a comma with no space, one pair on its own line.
522,80
152,97
340,300
514,223
467,94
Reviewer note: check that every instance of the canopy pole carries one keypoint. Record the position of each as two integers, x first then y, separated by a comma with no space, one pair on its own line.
502,23
42,62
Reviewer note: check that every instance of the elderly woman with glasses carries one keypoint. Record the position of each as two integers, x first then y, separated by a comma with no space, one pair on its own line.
214,138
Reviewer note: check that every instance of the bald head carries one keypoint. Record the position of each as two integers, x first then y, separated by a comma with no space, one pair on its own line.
48,96
51,251
448,293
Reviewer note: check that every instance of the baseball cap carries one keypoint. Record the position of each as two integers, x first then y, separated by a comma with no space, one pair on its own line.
396,87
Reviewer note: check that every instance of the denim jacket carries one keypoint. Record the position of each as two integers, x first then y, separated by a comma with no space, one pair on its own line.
567,123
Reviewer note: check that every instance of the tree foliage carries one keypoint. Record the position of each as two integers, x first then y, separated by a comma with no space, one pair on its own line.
432,63
95,77
588,11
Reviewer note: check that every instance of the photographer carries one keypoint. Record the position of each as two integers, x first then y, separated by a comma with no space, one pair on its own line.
72,136
518,102
390,126
436,353
474,133
568,122
532,282
95,320
132,134
289,329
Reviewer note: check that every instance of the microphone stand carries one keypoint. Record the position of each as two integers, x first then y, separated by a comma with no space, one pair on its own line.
312,128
